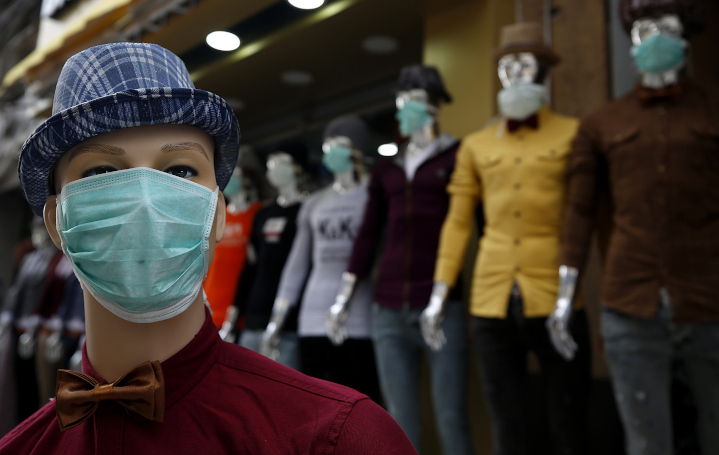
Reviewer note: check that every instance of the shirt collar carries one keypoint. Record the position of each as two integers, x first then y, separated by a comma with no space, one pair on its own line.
185,369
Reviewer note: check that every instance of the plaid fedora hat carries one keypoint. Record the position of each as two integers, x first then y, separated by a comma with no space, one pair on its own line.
122,85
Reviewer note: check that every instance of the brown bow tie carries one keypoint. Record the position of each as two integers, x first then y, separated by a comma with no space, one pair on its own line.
530,122
78,395
648,95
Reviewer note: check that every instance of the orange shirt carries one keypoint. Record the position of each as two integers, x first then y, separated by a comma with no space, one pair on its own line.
230,254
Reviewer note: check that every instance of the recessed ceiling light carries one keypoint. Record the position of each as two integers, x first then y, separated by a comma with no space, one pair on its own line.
388,149
380,44
296,77
223,41
306,4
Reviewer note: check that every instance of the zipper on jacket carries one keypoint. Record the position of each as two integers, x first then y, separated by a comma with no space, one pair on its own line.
408,244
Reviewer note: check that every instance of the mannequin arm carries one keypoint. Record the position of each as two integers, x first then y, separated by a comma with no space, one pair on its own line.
226,331
430,320
336,322
465,190
269,344
558,322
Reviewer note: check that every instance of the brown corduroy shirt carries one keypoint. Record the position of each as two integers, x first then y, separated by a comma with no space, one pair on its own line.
659,161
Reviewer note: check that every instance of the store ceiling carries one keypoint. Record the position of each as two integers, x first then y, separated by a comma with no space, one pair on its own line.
330,50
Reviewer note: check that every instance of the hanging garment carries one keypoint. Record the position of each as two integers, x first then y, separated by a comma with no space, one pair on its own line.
230,254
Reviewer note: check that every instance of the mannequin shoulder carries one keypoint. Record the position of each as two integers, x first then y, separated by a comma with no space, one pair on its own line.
39,433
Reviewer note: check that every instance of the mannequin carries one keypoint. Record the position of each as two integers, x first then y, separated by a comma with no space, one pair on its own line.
230,255
327,225
652,150
408,202
517,167
269,246
155,187
20,318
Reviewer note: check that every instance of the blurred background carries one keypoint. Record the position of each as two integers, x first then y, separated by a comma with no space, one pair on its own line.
298,66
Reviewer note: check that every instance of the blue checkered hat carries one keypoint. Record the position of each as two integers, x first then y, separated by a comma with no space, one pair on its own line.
121,85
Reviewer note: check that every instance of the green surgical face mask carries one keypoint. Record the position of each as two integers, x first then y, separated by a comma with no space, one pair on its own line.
659,53
338,160
138,240
413,116
234,186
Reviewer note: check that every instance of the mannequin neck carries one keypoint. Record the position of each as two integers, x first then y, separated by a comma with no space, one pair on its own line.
115,346
660,80
346,181
238,203
288,195
420,139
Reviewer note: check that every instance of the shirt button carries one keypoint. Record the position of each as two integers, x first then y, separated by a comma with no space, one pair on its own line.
661,168
517,160
516,269
520,137
516,241
517,214
516,186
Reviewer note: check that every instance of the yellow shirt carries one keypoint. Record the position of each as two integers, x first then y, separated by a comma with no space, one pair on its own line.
521,179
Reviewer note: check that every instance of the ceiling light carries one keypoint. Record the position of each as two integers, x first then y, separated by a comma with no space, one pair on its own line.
296,77
223,41
306,4
380,44
388,149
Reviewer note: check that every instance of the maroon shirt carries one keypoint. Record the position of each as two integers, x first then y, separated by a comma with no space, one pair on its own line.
411,214
221,398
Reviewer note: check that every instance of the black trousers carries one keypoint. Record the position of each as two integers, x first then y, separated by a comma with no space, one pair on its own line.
501,347
352,364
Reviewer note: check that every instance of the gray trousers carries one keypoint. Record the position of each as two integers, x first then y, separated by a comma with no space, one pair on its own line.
640,353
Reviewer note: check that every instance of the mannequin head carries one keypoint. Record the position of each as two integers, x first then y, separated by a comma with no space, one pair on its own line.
345,138
658,46
520,68
281,170
523,62
180,150
419,94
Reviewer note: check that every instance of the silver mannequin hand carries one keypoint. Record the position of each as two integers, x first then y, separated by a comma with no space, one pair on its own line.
558,321
227,329
270,341
27,343
336,322
53,347
430,321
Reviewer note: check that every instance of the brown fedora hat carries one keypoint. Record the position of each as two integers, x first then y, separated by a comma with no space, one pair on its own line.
525,37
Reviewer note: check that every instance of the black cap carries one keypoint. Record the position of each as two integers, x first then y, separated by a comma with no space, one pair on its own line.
424,77
351,127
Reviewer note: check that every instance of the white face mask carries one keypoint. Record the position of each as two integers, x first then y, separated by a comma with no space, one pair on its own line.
521,100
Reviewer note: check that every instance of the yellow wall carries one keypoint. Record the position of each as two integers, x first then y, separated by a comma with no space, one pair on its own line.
460,41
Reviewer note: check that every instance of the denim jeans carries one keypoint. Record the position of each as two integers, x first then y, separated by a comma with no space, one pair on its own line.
289,346
398,349
640,353
501,346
